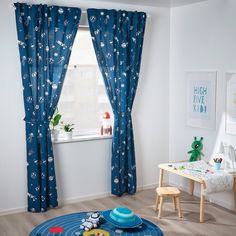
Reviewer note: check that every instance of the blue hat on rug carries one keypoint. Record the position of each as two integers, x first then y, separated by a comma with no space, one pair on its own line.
122,217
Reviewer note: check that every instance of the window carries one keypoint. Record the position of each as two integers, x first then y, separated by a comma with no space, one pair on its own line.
83,99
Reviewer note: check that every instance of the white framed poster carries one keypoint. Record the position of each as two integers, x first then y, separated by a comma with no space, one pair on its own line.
201,99
231,103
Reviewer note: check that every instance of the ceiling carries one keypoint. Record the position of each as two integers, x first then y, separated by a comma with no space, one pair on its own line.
155,3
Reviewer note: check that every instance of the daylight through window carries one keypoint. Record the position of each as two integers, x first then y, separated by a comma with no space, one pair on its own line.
83,99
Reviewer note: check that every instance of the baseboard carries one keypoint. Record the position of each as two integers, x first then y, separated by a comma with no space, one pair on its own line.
101,195
148,186
13,211
84,198
224,204
76,199
210,198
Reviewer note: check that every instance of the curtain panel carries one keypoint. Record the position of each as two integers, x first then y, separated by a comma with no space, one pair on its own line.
45,37
118,39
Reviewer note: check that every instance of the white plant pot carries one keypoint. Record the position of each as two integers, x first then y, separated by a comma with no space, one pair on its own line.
55,134
68,135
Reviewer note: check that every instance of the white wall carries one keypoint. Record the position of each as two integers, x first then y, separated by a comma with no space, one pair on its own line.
75,162
82,169
203,37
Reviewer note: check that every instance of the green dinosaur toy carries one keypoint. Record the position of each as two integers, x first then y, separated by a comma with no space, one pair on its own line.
197,147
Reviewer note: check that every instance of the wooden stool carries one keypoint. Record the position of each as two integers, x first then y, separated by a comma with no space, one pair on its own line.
168,192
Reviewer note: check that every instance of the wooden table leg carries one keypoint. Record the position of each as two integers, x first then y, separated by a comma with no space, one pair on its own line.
235,194
191,187
174,203
202,203
161,177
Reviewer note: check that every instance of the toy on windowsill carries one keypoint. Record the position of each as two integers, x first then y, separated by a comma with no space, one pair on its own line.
92,222
197,147
106,128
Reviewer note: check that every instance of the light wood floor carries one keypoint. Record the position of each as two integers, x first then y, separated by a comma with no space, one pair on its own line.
219,222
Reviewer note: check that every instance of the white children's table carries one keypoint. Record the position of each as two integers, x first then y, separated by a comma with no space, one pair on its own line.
164,167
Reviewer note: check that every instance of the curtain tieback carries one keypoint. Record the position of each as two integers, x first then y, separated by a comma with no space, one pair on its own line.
122,113
37,122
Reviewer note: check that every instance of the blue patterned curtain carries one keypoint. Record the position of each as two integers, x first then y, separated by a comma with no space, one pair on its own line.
45,36
118,38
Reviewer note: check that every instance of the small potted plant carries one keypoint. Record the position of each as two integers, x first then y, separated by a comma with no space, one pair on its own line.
217,163
68,128
54,122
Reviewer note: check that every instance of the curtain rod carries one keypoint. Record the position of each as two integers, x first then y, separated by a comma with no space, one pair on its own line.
82,10
85,12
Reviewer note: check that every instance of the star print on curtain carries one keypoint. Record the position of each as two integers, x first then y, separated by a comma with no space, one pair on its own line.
118,38
45,37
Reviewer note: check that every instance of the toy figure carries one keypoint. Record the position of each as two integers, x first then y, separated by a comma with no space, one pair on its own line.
196,152
92,222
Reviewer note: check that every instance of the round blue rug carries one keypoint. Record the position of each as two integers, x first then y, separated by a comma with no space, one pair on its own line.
69,225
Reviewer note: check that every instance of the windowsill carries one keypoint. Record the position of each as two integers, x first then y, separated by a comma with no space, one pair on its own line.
81,138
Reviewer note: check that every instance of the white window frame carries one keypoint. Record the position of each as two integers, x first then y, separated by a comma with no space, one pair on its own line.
81,135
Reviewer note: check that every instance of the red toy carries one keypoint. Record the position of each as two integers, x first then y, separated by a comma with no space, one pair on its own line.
106,128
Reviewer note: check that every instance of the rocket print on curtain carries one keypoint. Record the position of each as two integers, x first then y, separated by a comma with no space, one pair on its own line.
45,36
118,39
201,99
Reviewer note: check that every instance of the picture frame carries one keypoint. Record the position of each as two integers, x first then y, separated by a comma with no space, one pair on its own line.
230,116
201,99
